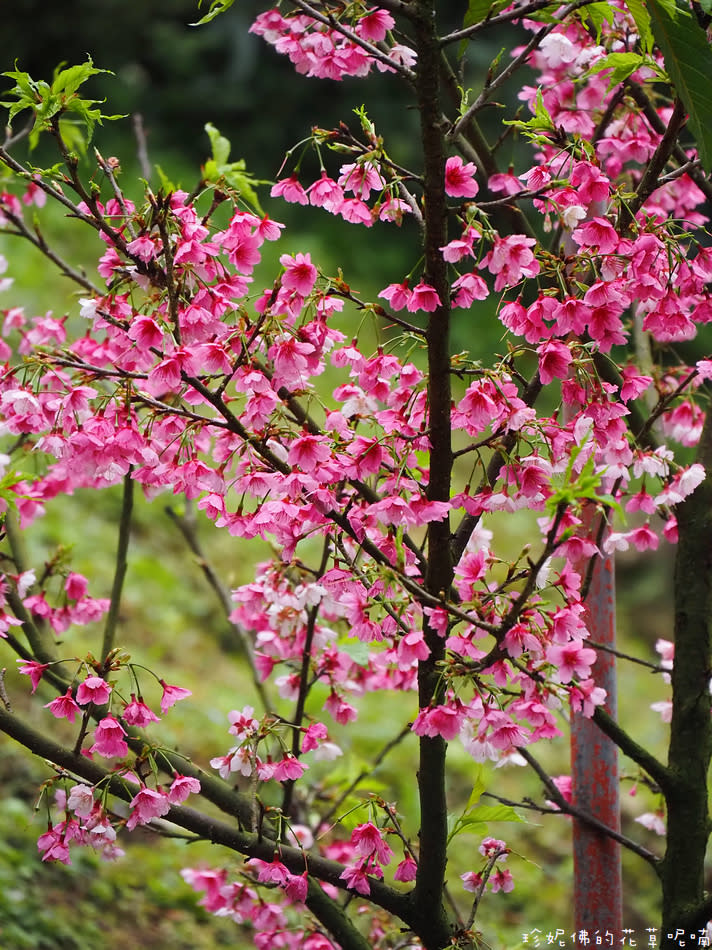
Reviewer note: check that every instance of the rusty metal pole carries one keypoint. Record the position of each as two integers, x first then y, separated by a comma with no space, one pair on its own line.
598,893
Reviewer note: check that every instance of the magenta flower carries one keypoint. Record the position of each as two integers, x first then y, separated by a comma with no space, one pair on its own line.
109,738
423,297
459,178
34,670
181,787
137,713
356,880
406,870
299,273
95,690
171,695
76,585
146,805
290,190
64,707
289,768
367,840
398,295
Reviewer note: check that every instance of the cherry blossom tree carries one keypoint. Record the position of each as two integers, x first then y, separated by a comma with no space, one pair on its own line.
378,495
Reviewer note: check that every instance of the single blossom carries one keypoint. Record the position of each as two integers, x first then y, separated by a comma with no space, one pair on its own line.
93,689
171,695
109,738
64,707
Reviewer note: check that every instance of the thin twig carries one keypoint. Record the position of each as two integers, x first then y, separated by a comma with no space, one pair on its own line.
569,809
3,692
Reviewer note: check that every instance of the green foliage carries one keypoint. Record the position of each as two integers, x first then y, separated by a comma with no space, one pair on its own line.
478,10
582,484
640,14
596,14
216,8
475,817
622,65
219,169
48,102
541,121
688,60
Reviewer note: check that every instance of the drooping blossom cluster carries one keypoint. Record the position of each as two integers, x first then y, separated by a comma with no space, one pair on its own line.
189,378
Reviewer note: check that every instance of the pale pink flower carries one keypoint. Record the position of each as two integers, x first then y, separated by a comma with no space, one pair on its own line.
81,800
655,821
471,881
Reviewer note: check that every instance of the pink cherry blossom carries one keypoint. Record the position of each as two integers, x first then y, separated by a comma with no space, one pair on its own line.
137,713
290,190
459,178
93,689
398,295
34,670
171,695
147,805
64,707
109,738
299,273
182,787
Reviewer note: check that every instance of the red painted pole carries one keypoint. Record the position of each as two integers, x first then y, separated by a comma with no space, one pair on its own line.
598,893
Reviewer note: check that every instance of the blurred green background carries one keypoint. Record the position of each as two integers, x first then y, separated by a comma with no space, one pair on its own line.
177,78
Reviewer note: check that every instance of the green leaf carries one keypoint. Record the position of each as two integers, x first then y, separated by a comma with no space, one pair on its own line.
486,813
218,169
622,65
477,788
219,144
216,8
61,97
597,14
688,61
167,185
540,122
477,10
357,650
639,12
67,81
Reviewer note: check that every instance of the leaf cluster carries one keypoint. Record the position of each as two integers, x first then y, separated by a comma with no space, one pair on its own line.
48,102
